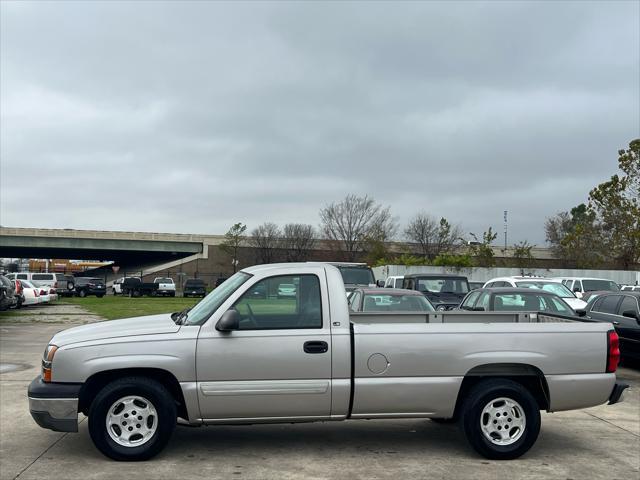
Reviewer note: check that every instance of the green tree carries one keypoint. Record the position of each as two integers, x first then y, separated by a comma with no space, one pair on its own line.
481,249
616,205
576,237
233,240
453,260
522,255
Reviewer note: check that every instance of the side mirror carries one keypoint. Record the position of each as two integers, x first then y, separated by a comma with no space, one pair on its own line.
581,312
380,283
630,314
229,321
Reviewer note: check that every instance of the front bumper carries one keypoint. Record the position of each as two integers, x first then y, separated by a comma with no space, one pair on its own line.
54,405
616,393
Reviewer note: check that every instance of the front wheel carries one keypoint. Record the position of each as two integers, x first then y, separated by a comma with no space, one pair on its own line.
82,293
500,419
132,418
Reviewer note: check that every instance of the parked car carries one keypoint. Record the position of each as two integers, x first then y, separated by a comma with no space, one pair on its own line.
589,296
515,300
622,309
64,285
43,293
286,290
86,286
445,292
394,281
19,292
388,300
30,293
230,360
630,288
553,286
116,287
166,286
194,287
135,287
355,275
8,298
581,285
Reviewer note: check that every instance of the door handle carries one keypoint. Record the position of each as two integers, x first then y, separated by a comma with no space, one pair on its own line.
315,347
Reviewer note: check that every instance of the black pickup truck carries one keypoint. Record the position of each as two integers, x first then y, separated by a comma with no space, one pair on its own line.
445,292
135,287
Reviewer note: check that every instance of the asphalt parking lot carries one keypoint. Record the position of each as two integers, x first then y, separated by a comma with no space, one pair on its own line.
601,442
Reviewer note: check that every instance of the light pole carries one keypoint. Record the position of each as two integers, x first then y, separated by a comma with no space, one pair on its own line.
505,232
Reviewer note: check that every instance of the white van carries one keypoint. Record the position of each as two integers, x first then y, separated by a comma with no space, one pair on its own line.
582,285
38,279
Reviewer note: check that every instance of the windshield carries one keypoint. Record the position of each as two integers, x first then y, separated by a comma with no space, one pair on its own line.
593,285
444,285
357,275
557,288
209,304
164,280
396,303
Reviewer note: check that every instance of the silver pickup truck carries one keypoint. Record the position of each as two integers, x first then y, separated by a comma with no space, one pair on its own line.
245,354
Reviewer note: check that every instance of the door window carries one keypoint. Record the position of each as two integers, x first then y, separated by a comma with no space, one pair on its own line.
607,304
354,302
628,303
470,300
22,276
282,302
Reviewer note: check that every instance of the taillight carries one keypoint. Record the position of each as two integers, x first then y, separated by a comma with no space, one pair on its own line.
613,351
18,287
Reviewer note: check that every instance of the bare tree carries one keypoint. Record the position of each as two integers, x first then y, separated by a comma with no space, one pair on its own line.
298,240
434,237
233,240
356,220
422,229
265,239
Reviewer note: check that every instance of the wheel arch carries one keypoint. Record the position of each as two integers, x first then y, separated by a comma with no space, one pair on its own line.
99,380
527,375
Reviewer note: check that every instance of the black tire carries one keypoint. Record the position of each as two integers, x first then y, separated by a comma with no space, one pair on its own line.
185,295
82,293
471,416
100,296
173,294
147,388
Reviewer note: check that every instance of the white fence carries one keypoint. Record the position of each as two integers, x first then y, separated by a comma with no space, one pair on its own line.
481,274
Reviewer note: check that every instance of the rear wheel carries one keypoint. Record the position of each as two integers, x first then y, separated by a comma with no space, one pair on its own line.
500,419
82,293
100,295
132,418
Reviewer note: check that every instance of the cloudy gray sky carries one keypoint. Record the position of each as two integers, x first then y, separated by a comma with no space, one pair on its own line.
188,117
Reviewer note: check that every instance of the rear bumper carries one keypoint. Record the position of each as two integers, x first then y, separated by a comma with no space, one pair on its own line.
54,405
617,392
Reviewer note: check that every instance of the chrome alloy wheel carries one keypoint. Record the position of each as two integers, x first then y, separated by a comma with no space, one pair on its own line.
503,421
132,421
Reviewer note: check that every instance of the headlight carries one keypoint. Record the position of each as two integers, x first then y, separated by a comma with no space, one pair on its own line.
47,361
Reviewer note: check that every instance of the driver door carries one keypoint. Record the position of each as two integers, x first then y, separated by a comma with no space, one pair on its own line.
277,365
